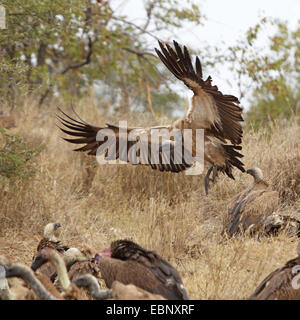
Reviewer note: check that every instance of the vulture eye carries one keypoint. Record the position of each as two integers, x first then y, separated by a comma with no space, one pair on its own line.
57,225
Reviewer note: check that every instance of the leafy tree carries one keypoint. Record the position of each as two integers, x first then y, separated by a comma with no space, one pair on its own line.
271,72
52,47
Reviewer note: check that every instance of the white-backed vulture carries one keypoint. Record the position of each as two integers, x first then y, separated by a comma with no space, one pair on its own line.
70,291
128,263
78,264
281,284
49,240
217,114
249,209
76,261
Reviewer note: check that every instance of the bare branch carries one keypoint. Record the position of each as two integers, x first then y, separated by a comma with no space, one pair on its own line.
140,53
135,26
149,15
87,59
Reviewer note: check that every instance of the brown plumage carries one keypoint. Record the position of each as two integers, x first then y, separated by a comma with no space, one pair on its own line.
281,284
249,209
217,114
128,263
49,240
84,267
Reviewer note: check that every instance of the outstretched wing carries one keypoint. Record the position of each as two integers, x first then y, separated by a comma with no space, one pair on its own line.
143,149
219,114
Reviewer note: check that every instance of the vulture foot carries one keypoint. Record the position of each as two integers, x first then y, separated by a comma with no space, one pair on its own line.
207,178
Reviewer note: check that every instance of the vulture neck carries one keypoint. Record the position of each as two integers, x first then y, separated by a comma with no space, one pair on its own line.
258,178
61,270
261,184
49,233
90,282
22,271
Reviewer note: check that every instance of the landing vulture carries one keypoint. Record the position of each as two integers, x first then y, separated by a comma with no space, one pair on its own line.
249,209
218,115
128,263
281,284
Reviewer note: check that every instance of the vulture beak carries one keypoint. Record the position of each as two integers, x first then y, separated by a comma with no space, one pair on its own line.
57,225
105,253
97,258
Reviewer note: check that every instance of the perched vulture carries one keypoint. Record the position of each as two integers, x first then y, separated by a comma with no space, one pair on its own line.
49,241
217,114
281,284
77,264
69,290
128,263
249,209
74,262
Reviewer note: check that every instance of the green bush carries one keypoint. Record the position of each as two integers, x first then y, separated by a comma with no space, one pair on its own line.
16,159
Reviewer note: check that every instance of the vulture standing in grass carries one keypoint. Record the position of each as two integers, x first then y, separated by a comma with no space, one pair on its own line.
49,241
281,284
218,115
128,263
248,210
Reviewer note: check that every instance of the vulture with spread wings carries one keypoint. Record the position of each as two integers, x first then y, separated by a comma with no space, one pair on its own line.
218,115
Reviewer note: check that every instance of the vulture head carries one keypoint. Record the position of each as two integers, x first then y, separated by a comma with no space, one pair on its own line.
120,249
256,173
50,231
40,258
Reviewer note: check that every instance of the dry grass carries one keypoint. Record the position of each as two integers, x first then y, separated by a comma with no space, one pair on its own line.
168,213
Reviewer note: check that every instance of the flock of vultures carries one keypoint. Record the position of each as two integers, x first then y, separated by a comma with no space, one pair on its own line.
59,271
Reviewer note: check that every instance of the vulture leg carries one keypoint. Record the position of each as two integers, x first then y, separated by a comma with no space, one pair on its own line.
206,180
215,174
